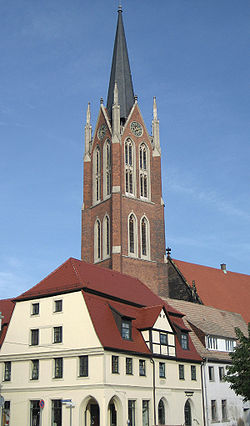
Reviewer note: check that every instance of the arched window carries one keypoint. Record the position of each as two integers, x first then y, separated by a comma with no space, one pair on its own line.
145,238
161,413
106,236
97,175
144,171
132,235
97,241
107,168
187,413
129,167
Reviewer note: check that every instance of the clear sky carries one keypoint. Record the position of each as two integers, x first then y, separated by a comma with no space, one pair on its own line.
193,55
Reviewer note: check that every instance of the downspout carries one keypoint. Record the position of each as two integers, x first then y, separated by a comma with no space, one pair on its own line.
152,361
204,391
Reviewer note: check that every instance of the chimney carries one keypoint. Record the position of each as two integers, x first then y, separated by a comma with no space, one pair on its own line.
223,267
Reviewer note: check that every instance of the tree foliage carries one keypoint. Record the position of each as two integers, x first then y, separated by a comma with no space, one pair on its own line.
238,374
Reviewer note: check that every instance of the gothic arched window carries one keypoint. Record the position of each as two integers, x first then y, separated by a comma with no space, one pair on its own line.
97,175
161,413
107,168
145,238
187,414
129,167
97,240
106,236
132,235
144,171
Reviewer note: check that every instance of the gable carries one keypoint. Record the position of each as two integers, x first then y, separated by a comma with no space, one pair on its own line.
162,322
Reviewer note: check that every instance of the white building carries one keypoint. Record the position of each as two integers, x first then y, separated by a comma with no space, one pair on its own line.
105,342
214,338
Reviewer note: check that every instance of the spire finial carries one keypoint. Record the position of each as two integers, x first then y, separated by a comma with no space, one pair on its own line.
154,109
120,6
88,114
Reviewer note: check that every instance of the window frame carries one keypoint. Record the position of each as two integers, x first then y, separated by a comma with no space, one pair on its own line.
83,366
34,337
145,229
221,373
184,341
35,308
129,366
144,172
224,415
56,412
162,370
107,169
145,412
58,305
7,371
211,373
142,367
106,249
132,411
115,364
193,372
58,368
129,168
97,241
57,334
181,372
126,327
34,369
214,415
132,219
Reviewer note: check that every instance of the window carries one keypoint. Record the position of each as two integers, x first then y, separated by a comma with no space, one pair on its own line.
97,175
106,237
7,371
56,412
145,413
193,372
97,241
129,167
162,373
107,168
230,345
34,413
35,369
163,339
132,235
57,335
142,367
224,409
145,245
212,342
161,413
211,373
184,341
35,309
83,366
129,365
58,306
213,410
58,365
6,413
221,373
181,372
34,337
131,412
126,330
144,171
115,364
188,414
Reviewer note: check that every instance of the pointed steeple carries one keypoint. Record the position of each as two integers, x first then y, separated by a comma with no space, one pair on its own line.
120,73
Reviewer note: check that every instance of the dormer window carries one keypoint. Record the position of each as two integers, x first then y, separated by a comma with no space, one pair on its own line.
163,339
126,329
184,341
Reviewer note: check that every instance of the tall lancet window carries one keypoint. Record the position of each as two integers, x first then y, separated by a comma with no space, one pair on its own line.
97,240
107,168
144,171
132,235
145,238
97,175
129,167
106,236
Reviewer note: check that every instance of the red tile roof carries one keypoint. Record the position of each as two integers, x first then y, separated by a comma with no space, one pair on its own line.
76,274
229,291
6,309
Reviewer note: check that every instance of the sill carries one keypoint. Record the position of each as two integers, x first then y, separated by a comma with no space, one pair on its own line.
83,377
162,378
142,375
115,372
57,378
181,378
129,374
57,343
34,380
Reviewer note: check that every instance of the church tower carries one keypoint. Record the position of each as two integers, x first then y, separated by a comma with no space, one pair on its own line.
123,212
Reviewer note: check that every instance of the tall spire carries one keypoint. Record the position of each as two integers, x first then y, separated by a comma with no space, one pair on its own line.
120,72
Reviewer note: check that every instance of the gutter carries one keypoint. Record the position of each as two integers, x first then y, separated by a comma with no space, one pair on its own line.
204,391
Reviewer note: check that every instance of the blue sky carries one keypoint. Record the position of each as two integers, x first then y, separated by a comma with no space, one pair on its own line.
193,55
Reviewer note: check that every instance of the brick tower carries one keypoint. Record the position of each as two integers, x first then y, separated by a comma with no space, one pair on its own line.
123,212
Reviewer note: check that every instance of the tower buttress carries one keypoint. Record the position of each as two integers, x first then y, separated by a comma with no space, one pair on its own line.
155,130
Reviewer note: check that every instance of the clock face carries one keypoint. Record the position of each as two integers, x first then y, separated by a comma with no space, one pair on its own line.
136,128
101,131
